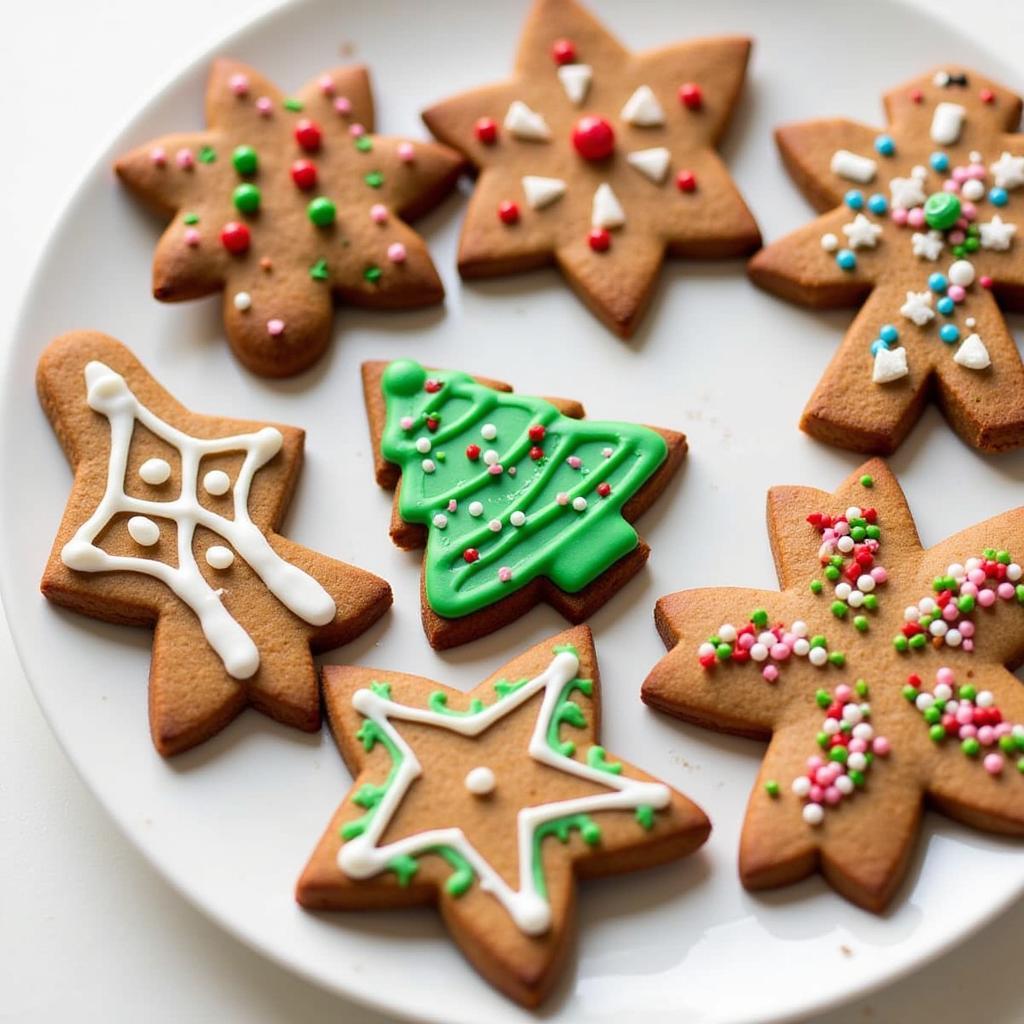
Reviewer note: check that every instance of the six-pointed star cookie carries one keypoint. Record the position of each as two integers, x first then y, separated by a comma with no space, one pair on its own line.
600,160
916,709
921,234
171,524
488,803
286,203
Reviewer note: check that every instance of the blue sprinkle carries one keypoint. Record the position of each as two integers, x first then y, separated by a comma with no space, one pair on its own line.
846,259
949,333
855,199
938,283
884,145
888,333
945,305
877,204
998,196
939,162
878,343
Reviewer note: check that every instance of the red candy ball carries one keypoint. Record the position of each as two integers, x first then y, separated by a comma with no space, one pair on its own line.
563,51
235,237
690,96
986,96
599,240
593,137
471,555
308,134
537,432
304,173
916,96
472,452
536,453
486,130
508,212
604,490
686,181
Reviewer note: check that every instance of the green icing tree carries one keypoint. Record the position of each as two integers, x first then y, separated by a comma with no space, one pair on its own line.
509,488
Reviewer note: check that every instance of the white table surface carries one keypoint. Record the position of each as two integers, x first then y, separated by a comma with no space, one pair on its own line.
88,931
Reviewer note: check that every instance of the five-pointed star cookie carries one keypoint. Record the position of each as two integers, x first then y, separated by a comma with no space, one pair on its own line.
489,803
920,233
286,203
171,523
877,674
600,160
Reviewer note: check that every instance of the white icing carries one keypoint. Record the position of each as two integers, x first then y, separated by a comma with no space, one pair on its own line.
1008,171
651,163
947,123
829,242
216,482
361,857
972,190
575,79
853,167
155,471
643,109
219,557
143,531
242,301
907,193
108,393
862,233
541,192
997,234
890,364
525,123
607,210
961,272
918,308
973,354
928,245
480,780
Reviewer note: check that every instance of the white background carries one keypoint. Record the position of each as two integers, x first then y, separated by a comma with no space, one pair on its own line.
87,929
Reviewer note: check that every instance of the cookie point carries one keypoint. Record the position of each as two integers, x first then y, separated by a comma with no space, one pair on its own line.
404,377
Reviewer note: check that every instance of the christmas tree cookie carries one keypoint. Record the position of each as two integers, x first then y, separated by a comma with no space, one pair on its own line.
599,160
171,524
517,500
489,804
878,674
919,232
289,203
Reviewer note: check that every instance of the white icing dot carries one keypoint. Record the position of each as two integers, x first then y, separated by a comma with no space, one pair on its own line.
801,785
155,471
829,242
476,508
961,272
219,557
427,465
480,781
817,656
494,526
517,518
243,301
814,814
143,531
216,482
579,503
491,457
488,431
423,445
440,520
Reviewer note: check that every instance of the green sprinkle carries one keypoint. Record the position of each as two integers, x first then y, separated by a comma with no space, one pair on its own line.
823,698
772,788
322,212
838,753
1020,593
861,688
967,692
319,270
816,586
292,104
870,602
759,617
858,533
989,553
856,777
837,658
207,154
910,692
971,747
440,456
1007,744
822,739
932,714
867,480
373,273
723,652
839,609
818,640
965,603
246,198
861,622
918,641
245,160
873,532
831,573
900,643
1020,766
191,218
374,179
645,816
1003,557
363,144
937,733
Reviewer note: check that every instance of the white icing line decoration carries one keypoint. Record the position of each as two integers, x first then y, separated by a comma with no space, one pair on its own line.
651,163
607,210
643,109
525,123
853,167
575,79
108,393
361,857
541,192
947,123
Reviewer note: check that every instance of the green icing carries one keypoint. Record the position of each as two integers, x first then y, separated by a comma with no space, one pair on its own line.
597,758
568,712
645,816
569,547
560,828
404,867
438,702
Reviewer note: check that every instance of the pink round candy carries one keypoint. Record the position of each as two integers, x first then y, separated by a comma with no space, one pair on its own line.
504,574
406,152
191,237
1006,590
968,211
987,598
976,171
969,588
899,216
275,327
957,292
946,676
949,185
343,105
379,213
950,612
966,630
993,763
967,731
396,252
915,217
986,735
770,673
843,693
879,574
265,106
814,762
184,159
746,641
816,794
977,576
956,237
857,746
326,84
158,155
967,645
964,714
780,652
496,469
1002,729
406,422
239,84
960,175
574,461
881,746
823,776
356,130
832,796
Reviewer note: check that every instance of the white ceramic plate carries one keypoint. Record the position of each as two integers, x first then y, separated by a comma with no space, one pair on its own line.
231,823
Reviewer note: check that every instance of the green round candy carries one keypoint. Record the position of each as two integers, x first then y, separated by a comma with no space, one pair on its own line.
941,210
970,746
322,212
937,733
245,159
839,754
723,651
247,198
404,377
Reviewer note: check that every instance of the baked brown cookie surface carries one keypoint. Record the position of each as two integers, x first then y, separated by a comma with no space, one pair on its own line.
171,523
516,499
921,232
600,160
489,804
286,204
879,675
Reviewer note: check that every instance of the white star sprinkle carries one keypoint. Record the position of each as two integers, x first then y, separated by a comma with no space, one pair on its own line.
918,308
862,233
997,234
1008,171
928,246
906,193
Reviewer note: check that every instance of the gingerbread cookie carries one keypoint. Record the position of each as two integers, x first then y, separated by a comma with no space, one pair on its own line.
488,804
287,203
517,500
600,160
878,675
920,234
171,524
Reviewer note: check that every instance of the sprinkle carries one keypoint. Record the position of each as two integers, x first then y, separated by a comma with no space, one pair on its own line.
356,130
428,465
158,156
242,301
488,431
579,503
406,152
505,574
562,498
372,274
494,526
191,236
239,84
574,461
343,106
396,252
517,518
275,327
184,159
440,520
867,480
379,213
265,106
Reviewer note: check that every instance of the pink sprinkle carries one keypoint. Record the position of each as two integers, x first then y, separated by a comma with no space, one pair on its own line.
950,612
511,470
857,746
184,159
265,106
956,237
843,693
957,292
745,642
406,153
966,630
562,498
1003,729
770,673
816,794
379,213
879,574
504,574
986,735
987,598
985,281
1006,591
496,470
814,762
960,175
397,254
343,105
158,156
899,216
969,211
950,186
779,652
832,796
967,645
976,171
275,327
945,676
881,746
574,461
823,776
964,714
239,84
191,237
453,505
406,422
993,763
915,217
967,731
356,130
977,576
326,85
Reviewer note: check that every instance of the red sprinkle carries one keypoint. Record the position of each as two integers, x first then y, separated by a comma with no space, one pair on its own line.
914,680
308,134
563,51
690,96
987,96
985,281
536,453
508,212
235,237
431,385
304,174
593,137
472,452
686,181
599,239
537,432
471,555
604,489
486,130
433,423
916,96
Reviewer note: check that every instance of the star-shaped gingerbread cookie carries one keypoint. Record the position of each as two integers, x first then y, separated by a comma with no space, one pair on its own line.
600,160
878,674
286,204
489,804
171,524
920,234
